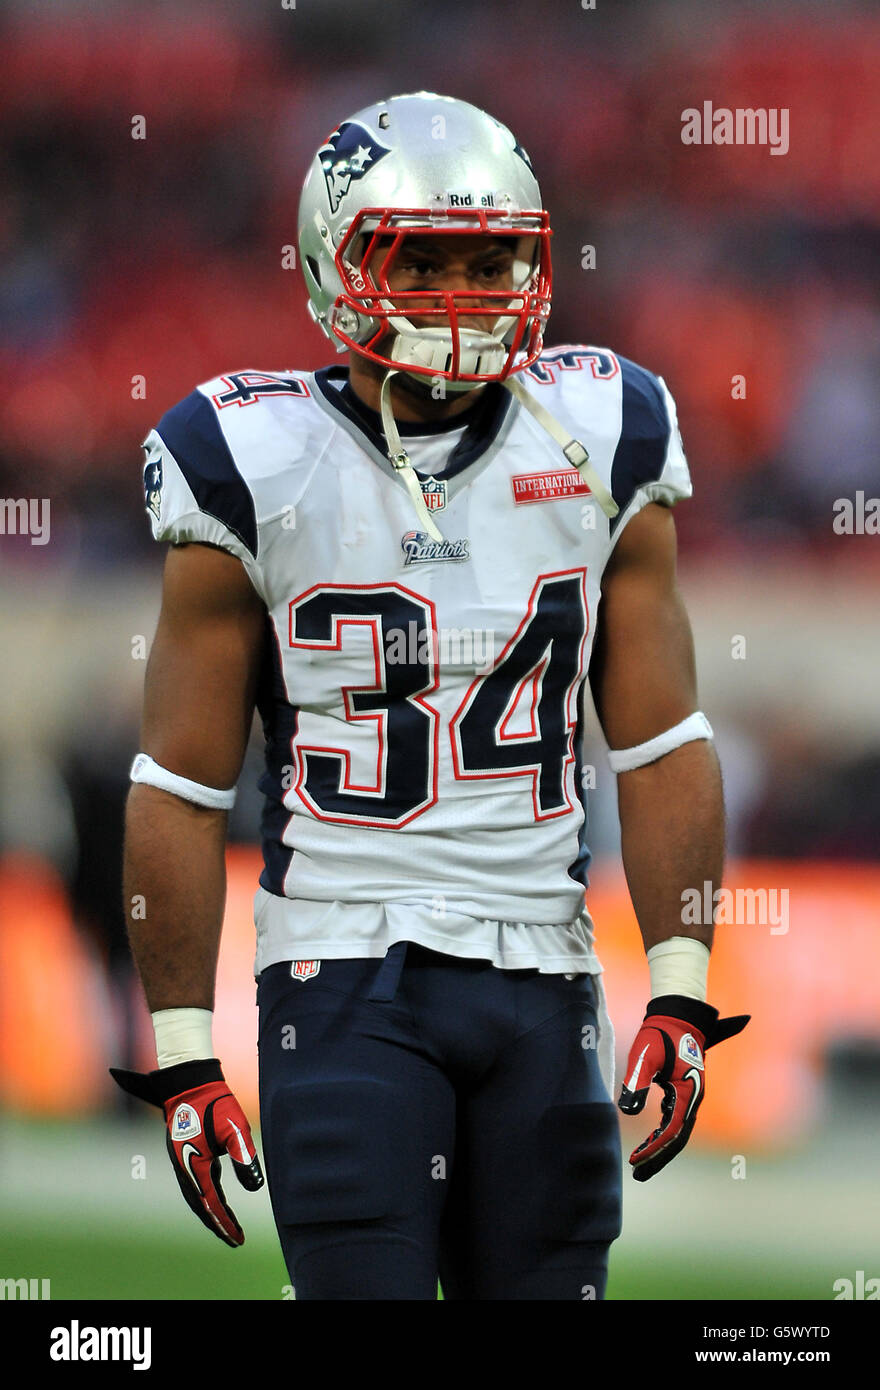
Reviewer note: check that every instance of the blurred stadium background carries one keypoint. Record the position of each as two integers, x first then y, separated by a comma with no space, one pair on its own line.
134,268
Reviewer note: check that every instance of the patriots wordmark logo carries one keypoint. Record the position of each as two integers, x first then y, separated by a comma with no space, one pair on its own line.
349,152
153,486
418,548
434,493
689,1050
304,969
185,1124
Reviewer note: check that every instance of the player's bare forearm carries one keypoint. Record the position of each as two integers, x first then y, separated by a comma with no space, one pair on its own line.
198,705
175,889
672,838
644,682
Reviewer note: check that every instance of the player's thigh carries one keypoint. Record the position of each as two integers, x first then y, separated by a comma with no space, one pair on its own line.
536,1199
353,1115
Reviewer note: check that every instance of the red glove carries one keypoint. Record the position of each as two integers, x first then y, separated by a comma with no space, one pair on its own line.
668,1049
204,1120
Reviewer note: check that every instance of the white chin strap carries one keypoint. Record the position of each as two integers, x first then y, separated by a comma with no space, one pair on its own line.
400,458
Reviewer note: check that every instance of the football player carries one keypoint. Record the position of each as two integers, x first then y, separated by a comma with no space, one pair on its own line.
411,565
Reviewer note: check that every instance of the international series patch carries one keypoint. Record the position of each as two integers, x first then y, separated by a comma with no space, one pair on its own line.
546,487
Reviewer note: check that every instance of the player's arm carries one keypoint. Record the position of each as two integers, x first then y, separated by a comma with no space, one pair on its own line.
671,809
199,701
643,681
198,707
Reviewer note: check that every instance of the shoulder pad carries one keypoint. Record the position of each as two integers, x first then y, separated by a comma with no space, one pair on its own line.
235,453
621,408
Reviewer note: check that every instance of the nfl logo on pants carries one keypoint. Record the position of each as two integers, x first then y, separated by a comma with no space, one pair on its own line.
304,969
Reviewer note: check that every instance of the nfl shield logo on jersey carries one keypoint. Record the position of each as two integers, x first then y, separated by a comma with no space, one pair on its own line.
304,969
434,493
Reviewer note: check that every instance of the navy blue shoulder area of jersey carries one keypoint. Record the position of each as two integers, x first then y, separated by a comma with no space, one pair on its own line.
644,435
191,431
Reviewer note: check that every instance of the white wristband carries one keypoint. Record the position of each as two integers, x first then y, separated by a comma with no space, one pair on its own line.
144,769
694,727
679,966
182,1035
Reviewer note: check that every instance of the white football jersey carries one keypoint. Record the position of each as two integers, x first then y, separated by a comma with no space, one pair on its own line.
421,699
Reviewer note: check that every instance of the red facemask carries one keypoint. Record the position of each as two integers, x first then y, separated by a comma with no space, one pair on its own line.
524,311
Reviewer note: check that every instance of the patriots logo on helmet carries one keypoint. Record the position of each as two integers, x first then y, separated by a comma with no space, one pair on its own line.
348,153
153,486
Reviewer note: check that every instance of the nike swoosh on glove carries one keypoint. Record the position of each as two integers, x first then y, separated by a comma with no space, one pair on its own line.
203,1120
669,1047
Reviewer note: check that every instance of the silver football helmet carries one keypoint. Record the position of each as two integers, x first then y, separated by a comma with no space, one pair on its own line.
424,163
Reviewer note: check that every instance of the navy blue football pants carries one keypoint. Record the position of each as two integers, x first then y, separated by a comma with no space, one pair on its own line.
426,1116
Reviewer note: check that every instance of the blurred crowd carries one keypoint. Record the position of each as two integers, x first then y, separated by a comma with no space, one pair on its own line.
152,158
152,162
